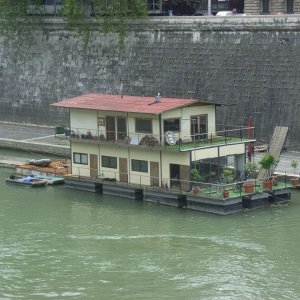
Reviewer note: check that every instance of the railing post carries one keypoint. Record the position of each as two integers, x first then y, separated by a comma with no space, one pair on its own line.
211,138
285,179
241,134
225,135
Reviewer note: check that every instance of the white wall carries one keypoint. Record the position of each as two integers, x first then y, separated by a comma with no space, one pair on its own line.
83,120
213,152
185,114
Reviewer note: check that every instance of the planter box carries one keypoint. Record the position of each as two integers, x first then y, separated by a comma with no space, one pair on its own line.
294,181
268,184
225,194
249,187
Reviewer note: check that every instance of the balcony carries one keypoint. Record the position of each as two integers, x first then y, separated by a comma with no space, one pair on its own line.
143,140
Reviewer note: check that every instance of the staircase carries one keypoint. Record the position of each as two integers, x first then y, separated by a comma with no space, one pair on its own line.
275,147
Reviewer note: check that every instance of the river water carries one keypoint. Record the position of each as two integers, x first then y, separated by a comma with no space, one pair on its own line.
65,244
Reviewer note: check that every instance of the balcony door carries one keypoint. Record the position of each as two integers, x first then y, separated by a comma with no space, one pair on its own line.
199,127
121,128
110,128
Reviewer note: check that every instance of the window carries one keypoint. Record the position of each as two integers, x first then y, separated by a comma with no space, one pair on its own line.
265,6
289,6
80,158
139,165
143,125
172,125
109,162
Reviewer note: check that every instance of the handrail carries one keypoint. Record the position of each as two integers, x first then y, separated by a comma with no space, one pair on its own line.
209,190
152,140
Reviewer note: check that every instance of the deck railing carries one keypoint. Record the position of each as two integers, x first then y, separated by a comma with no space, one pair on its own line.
219,191
181,142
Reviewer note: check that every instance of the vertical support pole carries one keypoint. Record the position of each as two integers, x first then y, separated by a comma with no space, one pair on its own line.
249,136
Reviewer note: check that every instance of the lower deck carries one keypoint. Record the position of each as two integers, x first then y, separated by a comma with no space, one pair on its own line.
205,201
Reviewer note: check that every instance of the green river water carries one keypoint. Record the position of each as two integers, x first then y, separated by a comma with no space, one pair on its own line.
65,244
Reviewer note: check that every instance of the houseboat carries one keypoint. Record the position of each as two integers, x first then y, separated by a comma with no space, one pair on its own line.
146,147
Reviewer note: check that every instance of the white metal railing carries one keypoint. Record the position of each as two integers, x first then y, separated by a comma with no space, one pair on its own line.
195,188
152,140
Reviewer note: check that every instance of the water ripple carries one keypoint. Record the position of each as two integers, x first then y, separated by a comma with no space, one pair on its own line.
214,239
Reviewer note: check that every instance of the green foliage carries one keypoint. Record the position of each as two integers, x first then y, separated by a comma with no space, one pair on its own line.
227,173
251,169
267,161
294,165
16,25
19,19
195,174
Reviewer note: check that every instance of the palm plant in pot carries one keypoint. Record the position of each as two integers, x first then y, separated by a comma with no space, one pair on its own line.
195,176
266,163
294,180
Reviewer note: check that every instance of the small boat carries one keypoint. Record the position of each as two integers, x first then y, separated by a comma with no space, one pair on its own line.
26,180
45,162
51,179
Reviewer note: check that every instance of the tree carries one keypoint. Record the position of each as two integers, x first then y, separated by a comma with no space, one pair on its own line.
267,161
294,165
21,17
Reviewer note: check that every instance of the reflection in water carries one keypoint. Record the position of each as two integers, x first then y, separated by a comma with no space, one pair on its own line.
60,243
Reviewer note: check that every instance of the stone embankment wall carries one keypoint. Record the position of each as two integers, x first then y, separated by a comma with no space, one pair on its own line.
251,63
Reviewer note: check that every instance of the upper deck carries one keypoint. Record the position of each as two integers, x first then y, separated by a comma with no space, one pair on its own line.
159,142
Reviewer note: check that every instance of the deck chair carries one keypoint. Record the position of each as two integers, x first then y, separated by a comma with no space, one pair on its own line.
170,139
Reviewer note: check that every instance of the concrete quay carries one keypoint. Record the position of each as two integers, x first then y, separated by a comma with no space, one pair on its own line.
31,138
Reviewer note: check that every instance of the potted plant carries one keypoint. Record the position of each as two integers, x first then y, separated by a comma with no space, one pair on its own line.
250,173
251,170
195,176
267,161
295,180
227,173
225,193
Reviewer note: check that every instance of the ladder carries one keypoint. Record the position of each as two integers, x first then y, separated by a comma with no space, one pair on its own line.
275,147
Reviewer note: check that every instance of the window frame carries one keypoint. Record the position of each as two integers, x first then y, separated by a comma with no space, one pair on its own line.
168,120
112,162
81,161
137,130
139,163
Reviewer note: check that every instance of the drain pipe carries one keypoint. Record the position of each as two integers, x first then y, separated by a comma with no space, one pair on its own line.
209,7
160,155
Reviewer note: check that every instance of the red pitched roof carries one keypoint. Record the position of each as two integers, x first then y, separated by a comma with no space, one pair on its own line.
134,104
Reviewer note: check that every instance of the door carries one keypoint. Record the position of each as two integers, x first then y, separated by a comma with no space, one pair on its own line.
185,177
199,127
93,165
121,128
110,129
123,169
154,173
174,175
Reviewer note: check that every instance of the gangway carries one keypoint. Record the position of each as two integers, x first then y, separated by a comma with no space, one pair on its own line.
275,147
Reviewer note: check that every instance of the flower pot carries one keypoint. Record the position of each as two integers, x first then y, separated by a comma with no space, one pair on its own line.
195,189
268,184
249,187
225,194
294,181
